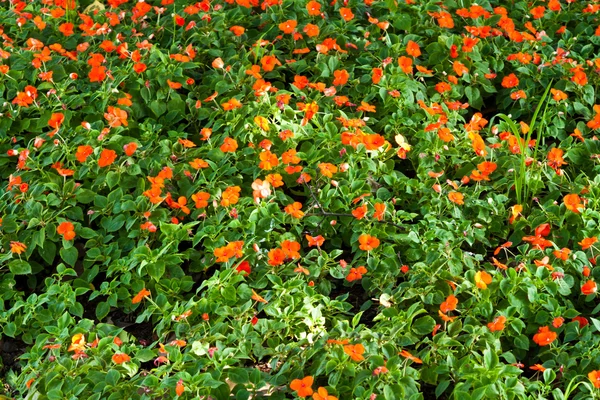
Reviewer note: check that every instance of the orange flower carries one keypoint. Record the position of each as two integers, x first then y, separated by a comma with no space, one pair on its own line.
237,30
376,75
587,242
406,354
450,304
17,247
107,157
356,274
573,202
558,322
313,8
230,196
120,358
269,62
538,367
256,297
544,336
413,49
515,212
444,317
56,120
373,141
315,240
379,211
66,29
229,145
198,163
563,254
77,343
595,378
360,212
130,148
478,144
290,248
519,94
346,14
355,351
186,143
288,26
322,394
116,117
460,68
67,230
405,64
276,257
309,111
294,210
368,242
445,135
201,199
482,279
341,77
83,152
327,169
555,159
177,85
140,296
558,95
510,81
260,189
262,123
276,180
443,87
179,388
231,104
302,387
579,77
589,287
456,197
497,324
538,12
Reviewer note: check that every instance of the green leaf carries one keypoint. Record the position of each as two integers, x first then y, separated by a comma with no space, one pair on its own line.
596,323
229,294
490,359
19,267
112,179
474,97
238,375
156,269
145,355
113,224
102,310
158,108
423,325
522,342
10,329
113,377
69,255
441,387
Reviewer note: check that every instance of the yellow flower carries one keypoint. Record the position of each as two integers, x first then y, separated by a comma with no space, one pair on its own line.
482,279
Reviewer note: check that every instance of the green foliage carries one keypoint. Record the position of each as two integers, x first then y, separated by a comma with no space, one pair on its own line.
232,199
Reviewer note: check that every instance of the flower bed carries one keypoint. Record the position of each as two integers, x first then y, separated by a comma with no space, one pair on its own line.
345,200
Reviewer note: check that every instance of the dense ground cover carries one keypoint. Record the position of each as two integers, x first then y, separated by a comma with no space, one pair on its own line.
352,200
